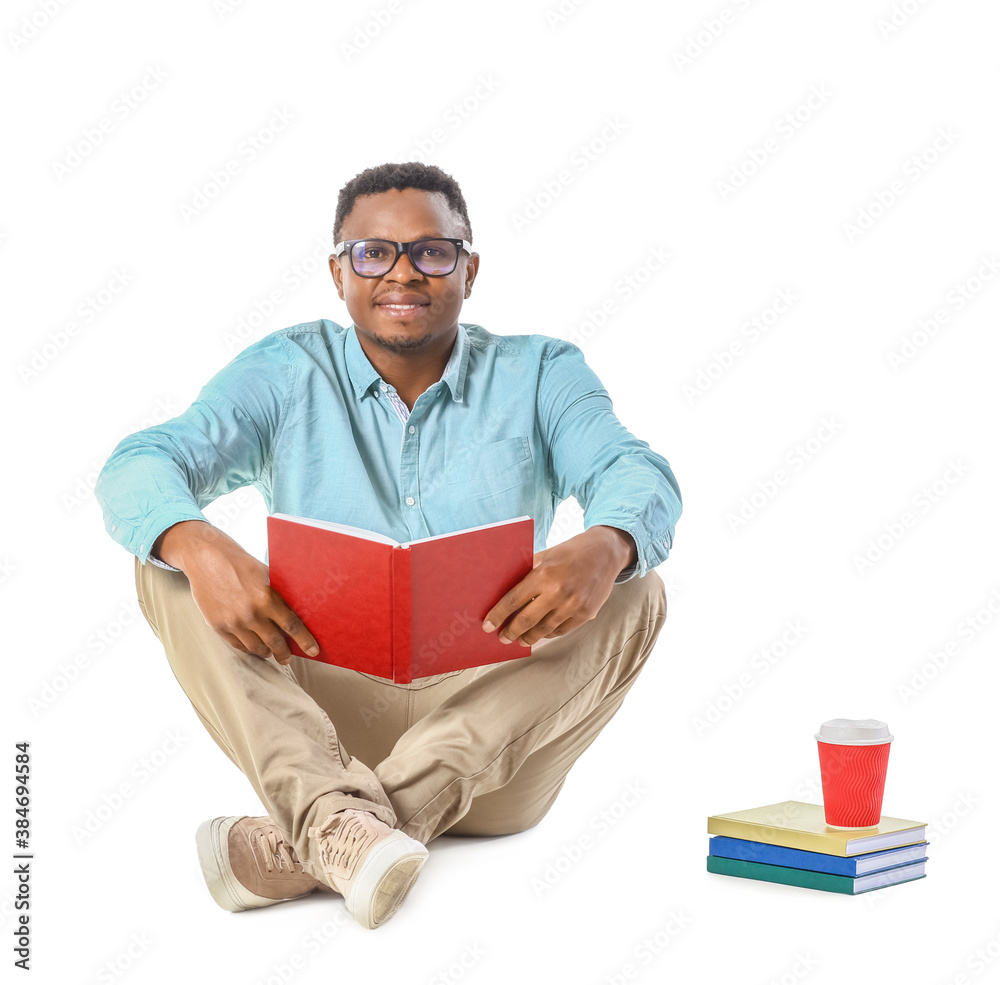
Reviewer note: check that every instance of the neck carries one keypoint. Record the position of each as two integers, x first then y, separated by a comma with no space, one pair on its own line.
410,369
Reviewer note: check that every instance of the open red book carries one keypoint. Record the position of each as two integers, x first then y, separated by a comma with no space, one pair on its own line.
399,611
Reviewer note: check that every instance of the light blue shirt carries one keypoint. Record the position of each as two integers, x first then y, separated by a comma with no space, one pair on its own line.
515,425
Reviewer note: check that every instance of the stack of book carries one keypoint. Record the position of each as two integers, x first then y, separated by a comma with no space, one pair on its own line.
791,843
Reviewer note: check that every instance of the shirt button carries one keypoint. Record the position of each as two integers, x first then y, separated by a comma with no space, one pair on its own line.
410,500
114,527
384,388
411,429
141,548
375,392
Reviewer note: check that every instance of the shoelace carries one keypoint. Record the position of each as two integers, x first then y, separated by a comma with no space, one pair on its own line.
276,848
346,843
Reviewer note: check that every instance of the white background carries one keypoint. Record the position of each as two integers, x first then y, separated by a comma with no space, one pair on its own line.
902,451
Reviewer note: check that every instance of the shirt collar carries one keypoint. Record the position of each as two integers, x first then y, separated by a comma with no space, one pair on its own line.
363,374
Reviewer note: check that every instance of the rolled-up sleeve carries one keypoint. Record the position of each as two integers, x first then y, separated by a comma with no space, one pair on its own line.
618,480
165,474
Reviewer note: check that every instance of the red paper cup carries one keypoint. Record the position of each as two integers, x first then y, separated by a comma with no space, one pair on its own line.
853,758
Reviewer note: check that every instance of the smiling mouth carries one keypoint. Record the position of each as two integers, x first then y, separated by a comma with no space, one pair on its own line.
402,311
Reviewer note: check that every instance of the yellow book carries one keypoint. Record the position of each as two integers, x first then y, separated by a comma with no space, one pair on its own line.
794,824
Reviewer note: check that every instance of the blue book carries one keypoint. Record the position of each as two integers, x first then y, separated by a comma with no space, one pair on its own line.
795,858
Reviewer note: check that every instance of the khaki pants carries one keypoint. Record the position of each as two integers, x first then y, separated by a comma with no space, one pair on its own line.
483,751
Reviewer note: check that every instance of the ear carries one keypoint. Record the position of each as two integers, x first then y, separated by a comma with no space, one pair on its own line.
338,276
471,270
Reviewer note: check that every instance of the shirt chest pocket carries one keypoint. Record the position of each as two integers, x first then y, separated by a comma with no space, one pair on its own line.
492,468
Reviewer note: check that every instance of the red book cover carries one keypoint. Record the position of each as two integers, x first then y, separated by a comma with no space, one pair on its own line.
399,611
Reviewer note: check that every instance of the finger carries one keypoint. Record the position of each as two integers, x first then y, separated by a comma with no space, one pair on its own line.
533,614
254,645
512,601
272,638
291,624
539,632
234,642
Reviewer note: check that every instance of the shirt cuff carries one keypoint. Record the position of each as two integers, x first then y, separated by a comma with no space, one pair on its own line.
161,564
626,574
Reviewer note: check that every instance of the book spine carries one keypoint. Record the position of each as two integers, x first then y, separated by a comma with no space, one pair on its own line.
402,616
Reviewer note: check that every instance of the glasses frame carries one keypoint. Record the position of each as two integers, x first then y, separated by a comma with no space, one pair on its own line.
401,249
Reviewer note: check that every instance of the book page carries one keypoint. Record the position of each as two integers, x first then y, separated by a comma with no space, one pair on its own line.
467,530
343,528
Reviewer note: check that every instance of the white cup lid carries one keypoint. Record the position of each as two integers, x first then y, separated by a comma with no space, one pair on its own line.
854,732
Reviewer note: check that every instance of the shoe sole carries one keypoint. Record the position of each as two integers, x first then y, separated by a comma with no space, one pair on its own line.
212,839
387,875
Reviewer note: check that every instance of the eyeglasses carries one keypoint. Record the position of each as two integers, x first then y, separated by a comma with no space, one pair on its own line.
376,257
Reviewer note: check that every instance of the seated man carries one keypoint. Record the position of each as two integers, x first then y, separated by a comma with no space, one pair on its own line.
410,424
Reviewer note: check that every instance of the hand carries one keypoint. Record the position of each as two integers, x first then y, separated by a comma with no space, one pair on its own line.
565,588
232,591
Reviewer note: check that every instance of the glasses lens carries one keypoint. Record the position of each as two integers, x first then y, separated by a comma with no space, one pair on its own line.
375,257
372,257
434,257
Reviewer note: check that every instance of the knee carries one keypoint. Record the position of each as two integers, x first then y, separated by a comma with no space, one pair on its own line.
648,597
486,827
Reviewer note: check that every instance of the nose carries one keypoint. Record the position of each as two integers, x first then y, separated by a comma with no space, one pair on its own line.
403,270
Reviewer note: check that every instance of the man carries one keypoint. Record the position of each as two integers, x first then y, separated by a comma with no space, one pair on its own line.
410,424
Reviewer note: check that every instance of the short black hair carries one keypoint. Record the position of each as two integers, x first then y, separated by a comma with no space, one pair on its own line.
412,174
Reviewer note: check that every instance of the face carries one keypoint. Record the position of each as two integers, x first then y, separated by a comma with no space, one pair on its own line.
403,216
